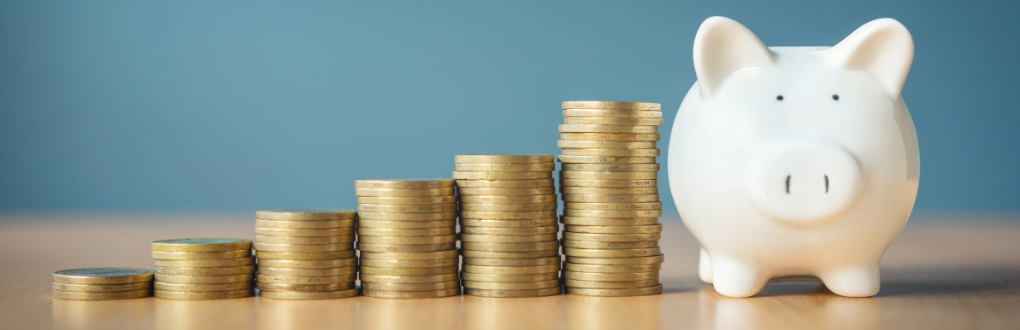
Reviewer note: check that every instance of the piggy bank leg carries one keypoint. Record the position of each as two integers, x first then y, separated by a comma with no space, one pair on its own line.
734,278
856,281
705,266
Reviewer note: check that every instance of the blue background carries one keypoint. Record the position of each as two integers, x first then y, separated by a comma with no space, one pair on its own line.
211,105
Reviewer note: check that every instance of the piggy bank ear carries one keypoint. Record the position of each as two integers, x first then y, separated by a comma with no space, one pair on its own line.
882,47
723,47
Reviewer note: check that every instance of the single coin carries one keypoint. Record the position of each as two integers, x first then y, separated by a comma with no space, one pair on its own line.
202,287
406,231
514,293
411,294
605,145
408,279
390,224
527,199
612,167
305,214
102,275
478,269
513,262
409,216
303,232
611,113
304,247
512,285
508,207
611,253
608,183
383,192
307,280
509,278
608,191
583,198
508,223
593,175
430,208
182,295
201,245
610,285
162,255
649,260
405,248
613,121
347,238
332,263
578,128
648,229
235,270
612,105
510,255
294,224
436,255
507,238
611,277
310,295
408,183
536,183
586,268
304,288
609,221
535,167
409,271
388,286
611,152
268,271
101,287
610,245
408,200
407,240
509,231
616,292
613,206
264,255
502,159
605,159
508,215
611,237
204,279
612,213
102,295
510,247
460,175
386,263
632,137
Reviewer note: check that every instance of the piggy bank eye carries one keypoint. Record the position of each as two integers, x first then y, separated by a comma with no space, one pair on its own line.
780,97
835,97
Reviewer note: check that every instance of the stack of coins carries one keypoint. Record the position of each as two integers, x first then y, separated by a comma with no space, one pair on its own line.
610,197
102,283
203,268
407,237
508,225
306,253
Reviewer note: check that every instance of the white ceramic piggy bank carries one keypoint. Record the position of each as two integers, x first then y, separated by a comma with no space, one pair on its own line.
790,161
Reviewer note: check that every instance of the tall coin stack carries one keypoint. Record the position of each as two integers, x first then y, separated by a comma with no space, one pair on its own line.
102,283
306,253
203,268
610,198
407,237
508,225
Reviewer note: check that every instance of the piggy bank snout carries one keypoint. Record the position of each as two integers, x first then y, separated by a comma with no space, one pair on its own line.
804,181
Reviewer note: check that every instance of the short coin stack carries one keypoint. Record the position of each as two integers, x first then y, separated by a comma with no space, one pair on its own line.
102,283
407,238
508,225
203,268
306,253
611,204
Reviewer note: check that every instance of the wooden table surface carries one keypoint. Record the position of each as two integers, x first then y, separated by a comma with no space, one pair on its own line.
949,273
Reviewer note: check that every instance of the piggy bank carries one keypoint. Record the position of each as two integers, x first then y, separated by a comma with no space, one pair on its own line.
795,162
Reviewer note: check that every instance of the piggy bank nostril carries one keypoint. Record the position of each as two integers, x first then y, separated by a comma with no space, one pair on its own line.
826,183
788,184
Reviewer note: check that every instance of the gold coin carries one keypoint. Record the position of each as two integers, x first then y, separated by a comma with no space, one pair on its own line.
610,285
183,295
612,105
648,260
611,253
389,224
508,215
586,268
235,270
436,255
512,285
502,159
409,216
508,223
293,224
386,263
590,175
648,229
102,295
267,271
407,240
405,248
201,245
310,295
510,247
509,278
631,137
612,214
408,200
200,255
204,279
611,113
513,262
101,287
408,279
514,293
527,199
501,175
604,145
202,287
536,183
510,255
409,271
304,288
478,269
305,255
610,191
304,247
383,192
509,231
535,167
578,128
409,183
609,221
406,231
331,263
611,152
610,245
304,240
616,292
103,275
508,207
307,280
411,294
612,167
611,237
610,277
584,198
613,206
303,232
605,159
608,183
507,238
305,214
613,121
388,286
430,208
